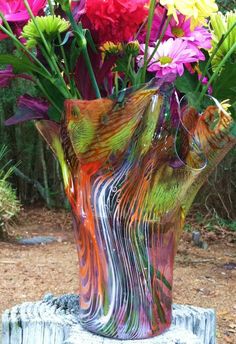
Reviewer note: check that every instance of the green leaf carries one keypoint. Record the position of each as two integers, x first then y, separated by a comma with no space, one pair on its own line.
203,64
121,64
233,130
20,64
225,87
187,82
57,98
54,114
193,98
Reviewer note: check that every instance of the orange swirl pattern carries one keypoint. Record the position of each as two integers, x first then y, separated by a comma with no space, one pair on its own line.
131,171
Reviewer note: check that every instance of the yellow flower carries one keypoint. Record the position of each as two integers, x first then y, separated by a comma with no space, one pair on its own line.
220,24
225,104
198,10
111,48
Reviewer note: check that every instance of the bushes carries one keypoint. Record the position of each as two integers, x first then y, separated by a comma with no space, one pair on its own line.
9,205
226,5
218,195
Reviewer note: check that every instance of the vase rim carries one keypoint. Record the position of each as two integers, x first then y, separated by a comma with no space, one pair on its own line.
154,83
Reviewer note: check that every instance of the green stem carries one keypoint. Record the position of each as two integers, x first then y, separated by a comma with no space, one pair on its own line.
91,72
116,84
148,35
217,71
50,55
66,69
82,42
51,7
127,71
224,36
44,73
44,53
67,72
160,38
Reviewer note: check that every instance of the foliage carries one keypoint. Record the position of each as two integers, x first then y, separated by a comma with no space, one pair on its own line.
9,204
218,196
226,5
26,149
38,177
208,222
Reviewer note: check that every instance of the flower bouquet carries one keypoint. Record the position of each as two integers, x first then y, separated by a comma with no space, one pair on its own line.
136,100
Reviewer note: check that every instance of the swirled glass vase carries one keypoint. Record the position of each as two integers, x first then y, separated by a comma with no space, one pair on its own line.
132,167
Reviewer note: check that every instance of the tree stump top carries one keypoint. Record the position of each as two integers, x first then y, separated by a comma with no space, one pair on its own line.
55,320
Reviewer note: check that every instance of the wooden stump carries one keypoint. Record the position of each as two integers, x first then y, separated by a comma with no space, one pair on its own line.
54,320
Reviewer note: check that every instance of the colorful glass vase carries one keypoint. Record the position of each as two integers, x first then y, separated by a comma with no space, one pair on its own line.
131,168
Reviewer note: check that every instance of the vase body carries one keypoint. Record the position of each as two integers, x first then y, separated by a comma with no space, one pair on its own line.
131,169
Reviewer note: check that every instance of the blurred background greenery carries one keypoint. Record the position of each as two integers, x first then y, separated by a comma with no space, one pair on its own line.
37,179
226,5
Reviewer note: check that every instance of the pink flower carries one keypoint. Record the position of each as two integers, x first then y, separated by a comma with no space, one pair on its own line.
7,75
15,10
170,57
200,36
16,13
116,20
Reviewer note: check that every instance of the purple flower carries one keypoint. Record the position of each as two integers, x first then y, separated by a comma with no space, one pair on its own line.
170,57
29,108
7,75
78,8
205,82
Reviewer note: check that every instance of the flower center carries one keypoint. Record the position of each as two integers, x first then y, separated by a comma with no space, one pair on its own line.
165,60
177,31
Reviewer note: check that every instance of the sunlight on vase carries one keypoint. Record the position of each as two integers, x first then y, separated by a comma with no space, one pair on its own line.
132,167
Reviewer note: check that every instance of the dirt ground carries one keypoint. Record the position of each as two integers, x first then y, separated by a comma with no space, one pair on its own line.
205,278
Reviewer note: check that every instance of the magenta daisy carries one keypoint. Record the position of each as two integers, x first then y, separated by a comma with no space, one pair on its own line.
199,36
171,56
16,13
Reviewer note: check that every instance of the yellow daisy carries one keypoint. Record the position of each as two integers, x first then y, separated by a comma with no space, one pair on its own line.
198,10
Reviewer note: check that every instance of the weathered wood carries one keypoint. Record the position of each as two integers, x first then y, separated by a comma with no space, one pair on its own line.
54,320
